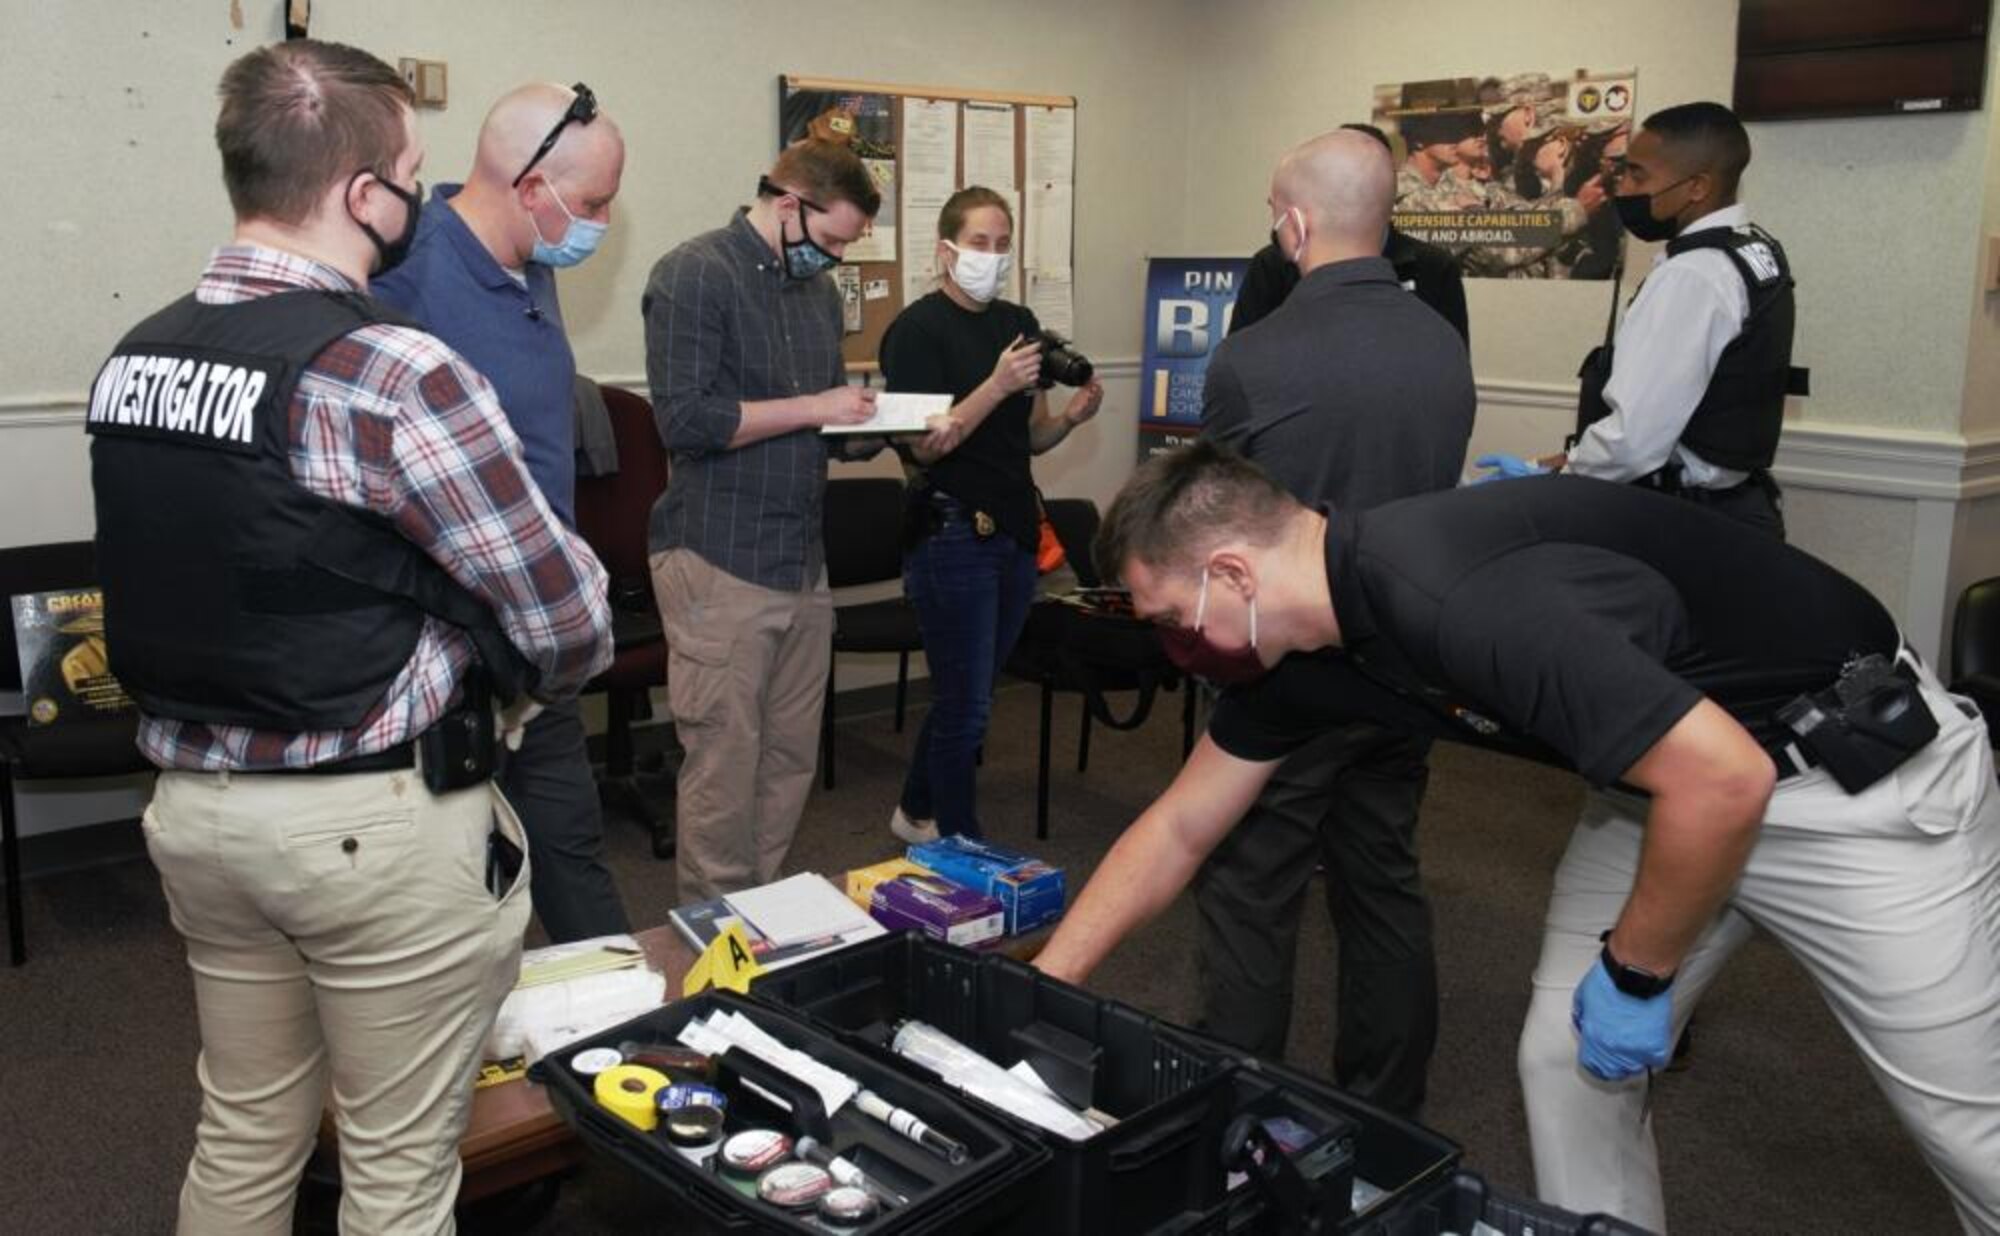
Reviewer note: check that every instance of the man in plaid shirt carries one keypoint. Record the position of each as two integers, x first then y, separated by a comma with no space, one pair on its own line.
344,921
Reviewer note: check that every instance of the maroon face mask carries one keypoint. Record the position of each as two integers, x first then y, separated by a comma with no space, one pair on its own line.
1189,649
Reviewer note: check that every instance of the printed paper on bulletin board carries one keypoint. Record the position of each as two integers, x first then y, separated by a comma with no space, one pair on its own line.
1512,173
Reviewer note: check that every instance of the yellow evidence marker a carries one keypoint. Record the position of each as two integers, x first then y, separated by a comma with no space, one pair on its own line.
727,962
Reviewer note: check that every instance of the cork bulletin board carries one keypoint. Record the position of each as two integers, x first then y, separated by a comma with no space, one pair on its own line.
921,143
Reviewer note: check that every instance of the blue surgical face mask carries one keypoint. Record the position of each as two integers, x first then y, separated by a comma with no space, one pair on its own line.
579,240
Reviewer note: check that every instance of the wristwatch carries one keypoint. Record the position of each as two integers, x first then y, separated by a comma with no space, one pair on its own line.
1632,980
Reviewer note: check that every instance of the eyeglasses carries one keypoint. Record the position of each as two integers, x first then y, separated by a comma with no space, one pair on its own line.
766,187
582,110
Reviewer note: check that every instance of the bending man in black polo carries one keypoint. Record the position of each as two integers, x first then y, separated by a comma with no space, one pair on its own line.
1649,644
1352,393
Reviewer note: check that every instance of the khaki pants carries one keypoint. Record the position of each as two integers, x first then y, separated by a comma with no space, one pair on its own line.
1889,898
746,676
339,930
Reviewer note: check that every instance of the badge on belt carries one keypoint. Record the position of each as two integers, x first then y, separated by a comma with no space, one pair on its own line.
983,525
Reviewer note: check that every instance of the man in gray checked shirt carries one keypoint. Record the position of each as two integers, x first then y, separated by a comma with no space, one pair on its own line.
743,328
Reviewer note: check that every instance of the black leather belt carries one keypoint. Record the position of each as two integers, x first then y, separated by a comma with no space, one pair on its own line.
390,759
944,508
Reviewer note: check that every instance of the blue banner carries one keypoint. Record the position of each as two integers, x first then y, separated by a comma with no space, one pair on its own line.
1188,303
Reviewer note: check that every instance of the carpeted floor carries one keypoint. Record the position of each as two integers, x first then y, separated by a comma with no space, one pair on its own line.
1776,1127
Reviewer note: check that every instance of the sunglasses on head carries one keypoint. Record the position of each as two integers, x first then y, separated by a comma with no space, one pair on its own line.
582,110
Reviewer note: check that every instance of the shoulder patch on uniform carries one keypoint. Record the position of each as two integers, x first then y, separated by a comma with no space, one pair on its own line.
1757,255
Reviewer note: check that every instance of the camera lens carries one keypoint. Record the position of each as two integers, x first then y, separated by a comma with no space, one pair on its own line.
1062,363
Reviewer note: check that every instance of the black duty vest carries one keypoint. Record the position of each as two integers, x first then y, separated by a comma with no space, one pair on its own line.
233,595
1736,424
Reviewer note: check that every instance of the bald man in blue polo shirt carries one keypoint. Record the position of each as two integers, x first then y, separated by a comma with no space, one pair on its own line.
482,277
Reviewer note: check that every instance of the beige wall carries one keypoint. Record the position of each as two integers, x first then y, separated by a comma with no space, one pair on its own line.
1982,376
110,159
1879,216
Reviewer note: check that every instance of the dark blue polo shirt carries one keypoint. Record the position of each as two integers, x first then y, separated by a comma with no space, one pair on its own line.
512,334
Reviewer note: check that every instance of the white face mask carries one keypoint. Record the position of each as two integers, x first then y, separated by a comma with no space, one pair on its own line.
979,275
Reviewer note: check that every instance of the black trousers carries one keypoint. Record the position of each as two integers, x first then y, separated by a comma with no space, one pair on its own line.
550,784
1756,503
1349,801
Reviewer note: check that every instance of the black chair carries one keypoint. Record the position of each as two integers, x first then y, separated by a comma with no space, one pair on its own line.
611,515
94,747
1067,648
1975,650
863,528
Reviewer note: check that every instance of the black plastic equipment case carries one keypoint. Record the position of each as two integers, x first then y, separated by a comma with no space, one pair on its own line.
989,1186
1466,1199
1408,1165
1175,1093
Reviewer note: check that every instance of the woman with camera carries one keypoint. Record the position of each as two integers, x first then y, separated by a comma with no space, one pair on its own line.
974,518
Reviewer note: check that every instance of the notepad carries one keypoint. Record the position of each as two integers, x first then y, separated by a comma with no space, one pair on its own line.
801,907
898,412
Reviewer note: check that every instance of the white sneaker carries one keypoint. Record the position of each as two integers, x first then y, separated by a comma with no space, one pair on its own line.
916,832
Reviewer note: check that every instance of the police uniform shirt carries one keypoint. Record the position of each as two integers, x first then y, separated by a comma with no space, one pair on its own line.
1686,312
1561,618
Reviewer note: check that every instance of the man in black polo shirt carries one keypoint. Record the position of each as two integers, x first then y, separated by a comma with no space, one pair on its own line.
1429,272
1648,644
1352,393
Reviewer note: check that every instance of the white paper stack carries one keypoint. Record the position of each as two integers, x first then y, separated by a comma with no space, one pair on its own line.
537,1020
899,412
803,907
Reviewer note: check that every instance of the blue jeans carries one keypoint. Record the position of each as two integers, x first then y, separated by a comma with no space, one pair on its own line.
972,598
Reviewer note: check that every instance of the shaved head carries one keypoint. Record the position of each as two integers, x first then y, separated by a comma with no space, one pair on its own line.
1343,182
576,180
518,122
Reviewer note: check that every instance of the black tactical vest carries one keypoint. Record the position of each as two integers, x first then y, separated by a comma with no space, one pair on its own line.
1736,424
232,595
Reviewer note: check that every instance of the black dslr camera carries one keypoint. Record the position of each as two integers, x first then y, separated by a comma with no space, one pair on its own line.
1061,362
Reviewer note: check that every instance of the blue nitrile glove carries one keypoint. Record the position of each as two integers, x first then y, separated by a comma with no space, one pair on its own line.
1620,1035
1505,467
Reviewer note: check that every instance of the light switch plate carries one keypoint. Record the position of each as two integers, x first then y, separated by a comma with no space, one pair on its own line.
430,83
426,79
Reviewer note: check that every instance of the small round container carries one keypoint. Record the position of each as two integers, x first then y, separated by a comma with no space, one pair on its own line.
594,1060
794,1186
847,1209
695,1132
690,1094
747,1155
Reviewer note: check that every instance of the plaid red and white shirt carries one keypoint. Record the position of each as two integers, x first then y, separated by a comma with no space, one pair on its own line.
391,420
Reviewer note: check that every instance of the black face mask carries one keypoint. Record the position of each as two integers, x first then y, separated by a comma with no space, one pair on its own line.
392,252
1635,212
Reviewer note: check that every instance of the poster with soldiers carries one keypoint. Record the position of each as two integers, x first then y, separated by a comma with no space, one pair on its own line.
65,674
1513,174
